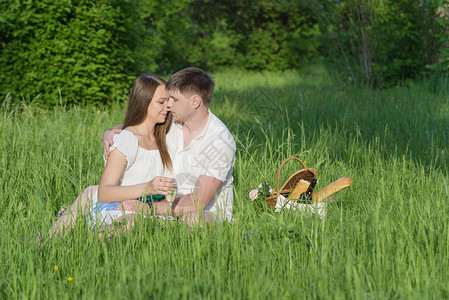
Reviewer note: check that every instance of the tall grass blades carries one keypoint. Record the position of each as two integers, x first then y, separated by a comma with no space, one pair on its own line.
386,236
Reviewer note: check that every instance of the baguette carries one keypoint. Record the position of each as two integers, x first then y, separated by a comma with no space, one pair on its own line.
300,188
330,189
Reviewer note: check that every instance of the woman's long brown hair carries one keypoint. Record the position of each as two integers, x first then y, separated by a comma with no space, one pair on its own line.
140,98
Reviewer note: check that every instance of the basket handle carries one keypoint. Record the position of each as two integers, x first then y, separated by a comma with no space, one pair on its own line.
280,167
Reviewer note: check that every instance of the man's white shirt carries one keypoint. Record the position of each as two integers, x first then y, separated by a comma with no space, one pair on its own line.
211,153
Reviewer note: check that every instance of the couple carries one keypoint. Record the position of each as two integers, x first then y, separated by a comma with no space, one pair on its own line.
169,139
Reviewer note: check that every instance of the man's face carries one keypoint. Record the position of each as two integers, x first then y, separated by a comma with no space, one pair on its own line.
180,106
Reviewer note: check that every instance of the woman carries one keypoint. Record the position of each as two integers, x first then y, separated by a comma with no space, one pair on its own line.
137,159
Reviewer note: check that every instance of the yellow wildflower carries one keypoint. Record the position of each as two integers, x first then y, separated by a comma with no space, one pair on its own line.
55,268
70,279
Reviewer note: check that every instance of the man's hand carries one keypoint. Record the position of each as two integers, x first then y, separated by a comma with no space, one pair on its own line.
203,192
135,205
108,140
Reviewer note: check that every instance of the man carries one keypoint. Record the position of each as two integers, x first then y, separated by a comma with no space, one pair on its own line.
202,151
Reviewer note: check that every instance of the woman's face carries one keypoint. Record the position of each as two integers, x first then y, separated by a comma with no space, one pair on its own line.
157,110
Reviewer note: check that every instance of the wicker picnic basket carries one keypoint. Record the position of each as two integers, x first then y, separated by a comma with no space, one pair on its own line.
306,174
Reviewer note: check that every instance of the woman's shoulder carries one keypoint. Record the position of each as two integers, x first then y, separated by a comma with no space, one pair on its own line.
126,142
126,136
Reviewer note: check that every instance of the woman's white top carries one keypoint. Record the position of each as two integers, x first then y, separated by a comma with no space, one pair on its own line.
142,164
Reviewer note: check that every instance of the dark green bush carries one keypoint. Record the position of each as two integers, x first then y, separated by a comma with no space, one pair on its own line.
265,34
69,51
442,64
169,34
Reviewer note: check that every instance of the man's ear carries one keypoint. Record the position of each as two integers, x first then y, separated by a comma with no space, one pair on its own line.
196,101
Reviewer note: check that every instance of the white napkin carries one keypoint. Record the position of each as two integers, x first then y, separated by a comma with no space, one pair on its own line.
316,208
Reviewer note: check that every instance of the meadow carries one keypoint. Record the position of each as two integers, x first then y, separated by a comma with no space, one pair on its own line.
385,237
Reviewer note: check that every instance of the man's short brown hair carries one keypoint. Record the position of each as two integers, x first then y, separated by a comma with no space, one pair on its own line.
192,81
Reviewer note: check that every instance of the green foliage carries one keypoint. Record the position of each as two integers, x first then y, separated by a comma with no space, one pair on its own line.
89,52
168,34
82,50
442,65
385,42
413,27
273,35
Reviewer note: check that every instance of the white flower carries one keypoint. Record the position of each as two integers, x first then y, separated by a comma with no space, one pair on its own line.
253,194
260,186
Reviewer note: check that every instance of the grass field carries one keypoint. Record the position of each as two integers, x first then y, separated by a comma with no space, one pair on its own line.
387,236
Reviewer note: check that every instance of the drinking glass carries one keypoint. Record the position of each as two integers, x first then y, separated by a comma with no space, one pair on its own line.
171,197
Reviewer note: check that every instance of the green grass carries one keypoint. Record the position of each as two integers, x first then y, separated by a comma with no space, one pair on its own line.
385,237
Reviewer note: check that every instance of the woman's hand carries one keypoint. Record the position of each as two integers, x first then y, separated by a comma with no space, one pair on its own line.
161,185
108,141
